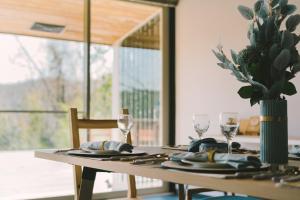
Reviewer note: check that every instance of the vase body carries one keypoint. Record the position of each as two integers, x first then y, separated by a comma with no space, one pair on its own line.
273,132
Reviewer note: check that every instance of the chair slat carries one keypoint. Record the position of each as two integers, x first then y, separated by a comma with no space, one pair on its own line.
75,125
97,124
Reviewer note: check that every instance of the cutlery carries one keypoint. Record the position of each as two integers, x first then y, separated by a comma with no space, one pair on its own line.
149,160
277,179
291,179
131,158
241,175
143,157
71,149
267,175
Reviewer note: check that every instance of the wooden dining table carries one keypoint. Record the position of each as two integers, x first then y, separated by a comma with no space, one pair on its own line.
264,188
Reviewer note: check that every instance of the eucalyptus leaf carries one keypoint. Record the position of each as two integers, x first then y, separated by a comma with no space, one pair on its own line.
289,89
289,9
274,3
246,12
234,56
256,97
261,9
254,101
292,22
289,75
282,60
270,27
276,89
296,68
222,65
283,3
250,30
274,51
257,6
253,39
246,92
296,39
263,12
219,56
287,40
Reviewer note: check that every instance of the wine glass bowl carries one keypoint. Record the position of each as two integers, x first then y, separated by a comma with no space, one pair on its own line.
201,124
229,124
125,123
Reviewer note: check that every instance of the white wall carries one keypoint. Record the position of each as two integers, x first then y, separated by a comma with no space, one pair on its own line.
202,86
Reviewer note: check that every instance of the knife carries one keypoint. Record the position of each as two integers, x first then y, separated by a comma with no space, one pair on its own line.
265,176
151,160
241,175
159,155
131,158
291,179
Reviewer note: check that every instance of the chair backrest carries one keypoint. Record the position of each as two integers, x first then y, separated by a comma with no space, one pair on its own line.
75,125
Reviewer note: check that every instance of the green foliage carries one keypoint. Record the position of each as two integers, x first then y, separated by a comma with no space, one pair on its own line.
246,12
292,22
271,60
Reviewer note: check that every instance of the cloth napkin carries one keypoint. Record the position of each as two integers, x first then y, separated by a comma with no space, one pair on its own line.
107,145
195,144
295,150
208,143
238,161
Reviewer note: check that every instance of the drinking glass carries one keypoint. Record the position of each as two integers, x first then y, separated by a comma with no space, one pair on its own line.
200,124
229,123
125,123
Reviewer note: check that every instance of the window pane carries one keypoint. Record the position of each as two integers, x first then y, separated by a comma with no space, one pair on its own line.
40,74
28,131
101,81
140,81
126,72
40,78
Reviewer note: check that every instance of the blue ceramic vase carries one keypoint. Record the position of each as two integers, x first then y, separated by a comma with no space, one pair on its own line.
273,132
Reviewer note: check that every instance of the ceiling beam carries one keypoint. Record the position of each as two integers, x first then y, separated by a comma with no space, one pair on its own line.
167,3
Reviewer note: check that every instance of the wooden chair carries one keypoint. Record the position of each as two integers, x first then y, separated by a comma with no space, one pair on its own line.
75,125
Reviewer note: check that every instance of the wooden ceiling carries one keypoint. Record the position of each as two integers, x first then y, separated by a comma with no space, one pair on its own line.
111,20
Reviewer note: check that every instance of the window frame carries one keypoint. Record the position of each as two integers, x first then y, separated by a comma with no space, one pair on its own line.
167,97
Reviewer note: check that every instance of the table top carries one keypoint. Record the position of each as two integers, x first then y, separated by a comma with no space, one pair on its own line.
264,189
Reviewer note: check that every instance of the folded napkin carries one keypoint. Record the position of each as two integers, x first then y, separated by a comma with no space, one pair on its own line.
295,150
107,145
195,144
210,143
237,161
219,147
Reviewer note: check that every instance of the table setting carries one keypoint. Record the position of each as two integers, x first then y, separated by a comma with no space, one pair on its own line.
227,159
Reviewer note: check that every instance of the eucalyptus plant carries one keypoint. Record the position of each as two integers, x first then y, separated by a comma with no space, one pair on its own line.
271,59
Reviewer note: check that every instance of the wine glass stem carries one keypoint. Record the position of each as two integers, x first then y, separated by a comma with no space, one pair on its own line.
229,147
125,137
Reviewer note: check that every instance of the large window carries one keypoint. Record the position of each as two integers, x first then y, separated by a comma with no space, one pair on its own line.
42,75
40,78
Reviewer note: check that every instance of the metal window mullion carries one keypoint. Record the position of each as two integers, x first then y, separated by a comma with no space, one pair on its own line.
86,62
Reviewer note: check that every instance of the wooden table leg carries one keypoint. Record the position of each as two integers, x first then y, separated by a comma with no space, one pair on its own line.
181,192
87,183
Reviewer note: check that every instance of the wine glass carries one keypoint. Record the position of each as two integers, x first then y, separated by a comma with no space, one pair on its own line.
200,123
125,123
229,123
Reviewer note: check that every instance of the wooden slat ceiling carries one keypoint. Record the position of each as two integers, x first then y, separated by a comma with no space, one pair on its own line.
111,19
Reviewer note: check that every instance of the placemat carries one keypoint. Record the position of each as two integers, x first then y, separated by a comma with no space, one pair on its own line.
192,168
